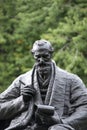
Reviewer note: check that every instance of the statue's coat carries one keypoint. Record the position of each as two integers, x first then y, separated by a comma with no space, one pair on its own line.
68,95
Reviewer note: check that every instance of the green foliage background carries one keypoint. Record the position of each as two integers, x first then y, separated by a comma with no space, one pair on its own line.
62,22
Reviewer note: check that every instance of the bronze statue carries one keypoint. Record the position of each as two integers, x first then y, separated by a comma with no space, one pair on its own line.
44,98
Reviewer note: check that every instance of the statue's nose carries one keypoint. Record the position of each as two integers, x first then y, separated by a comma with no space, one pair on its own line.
41,60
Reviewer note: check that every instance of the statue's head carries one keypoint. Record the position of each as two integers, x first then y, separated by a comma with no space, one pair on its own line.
42,45
42,51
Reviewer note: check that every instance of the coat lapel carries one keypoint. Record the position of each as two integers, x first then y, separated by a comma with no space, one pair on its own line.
37,99
58,93
49,91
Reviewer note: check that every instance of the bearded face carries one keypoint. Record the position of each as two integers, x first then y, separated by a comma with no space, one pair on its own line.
43,61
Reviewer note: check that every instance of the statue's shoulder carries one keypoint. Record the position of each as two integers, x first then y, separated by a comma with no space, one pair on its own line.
28,73
62,71
26,77
65,74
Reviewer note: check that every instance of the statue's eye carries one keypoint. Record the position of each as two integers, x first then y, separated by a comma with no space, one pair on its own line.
45,56
37,56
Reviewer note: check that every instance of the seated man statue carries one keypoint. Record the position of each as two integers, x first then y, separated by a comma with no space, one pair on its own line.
44,98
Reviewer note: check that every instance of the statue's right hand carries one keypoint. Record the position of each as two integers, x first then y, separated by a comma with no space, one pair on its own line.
28,91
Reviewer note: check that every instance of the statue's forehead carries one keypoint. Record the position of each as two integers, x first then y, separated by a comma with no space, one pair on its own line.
44,51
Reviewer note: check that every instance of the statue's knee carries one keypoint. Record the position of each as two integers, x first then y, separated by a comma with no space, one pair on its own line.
51,128
57,127
54,127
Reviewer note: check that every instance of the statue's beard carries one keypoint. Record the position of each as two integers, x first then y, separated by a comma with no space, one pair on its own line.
44,68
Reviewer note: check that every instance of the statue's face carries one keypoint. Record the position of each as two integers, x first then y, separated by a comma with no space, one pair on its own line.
43,60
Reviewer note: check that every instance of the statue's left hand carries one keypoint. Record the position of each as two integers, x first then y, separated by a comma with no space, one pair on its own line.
48,120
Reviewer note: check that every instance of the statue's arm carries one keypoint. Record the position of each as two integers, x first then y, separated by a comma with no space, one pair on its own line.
78,101
11,102
10,108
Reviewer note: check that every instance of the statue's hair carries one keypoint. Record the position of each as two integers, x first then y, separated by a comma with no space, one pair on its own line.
41,45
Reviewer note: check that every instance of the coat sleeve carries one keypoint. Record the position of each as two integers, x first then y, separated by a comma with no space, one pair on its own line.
11,102
78,119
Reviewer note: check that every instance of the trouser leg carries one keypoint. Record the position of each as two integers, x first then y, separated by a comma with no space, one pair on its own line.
61,127
54,127
36,128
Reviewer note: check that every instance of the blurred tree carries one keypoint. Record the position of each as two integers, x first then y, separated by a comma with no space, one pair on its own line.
69,35
7,46
63,22
22,22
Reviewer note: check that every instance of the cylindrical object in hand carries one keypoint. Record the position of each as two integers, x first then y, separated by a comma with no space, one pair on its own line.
45,109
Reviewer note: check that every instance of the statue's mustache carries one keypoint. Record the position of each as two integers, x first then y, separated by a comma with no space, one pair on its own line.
43,64
44,67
